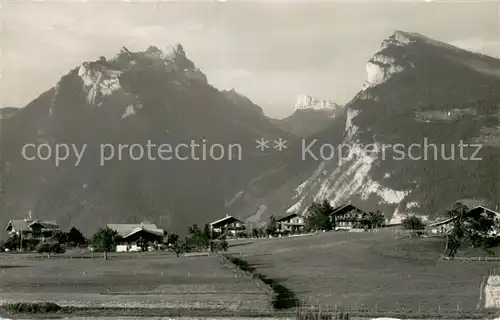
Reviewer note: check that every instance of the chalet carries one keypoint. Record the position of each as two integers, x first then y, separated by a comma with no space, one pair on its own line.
291,223
34,229
133,235
444,226
346,216
228,225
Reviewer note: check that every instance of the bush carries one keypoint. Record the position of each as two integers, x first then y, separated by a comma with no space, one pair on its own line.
50,247
31,307
219,245
30,244
12,242
413,223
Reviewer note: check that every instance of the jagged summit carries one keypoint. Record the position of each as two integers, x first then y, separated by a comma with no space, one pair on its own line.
103,77
305,101
176,49
153,50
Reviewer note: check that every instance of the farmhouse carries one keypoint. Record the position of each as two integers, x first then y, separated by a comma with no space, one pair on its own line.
228,225
291,223
136,236
444,226
34,229
346,216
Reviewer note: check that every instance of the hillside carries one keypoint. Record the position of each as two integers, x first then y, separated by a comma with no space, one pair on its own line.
152,96
418,91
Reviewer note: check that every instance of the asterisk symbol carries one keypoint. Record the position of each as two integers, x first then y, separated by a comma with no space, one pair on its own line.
262,144
280,144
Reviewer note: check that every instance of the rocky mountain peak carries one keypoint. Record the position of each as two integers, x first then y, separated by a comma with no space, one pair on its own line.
305,101
175,51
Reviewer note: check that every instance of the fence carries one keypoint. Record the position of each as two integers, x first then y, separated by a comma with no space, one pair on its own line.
469,259
86,255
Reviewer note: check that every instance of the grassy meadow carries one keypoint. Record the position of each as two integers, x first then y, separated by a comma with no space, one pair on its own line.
369,271
148,280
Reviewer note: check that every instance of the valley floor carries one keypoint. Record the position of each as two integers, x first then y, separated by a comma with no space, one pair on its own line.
370,271
358,271
146,281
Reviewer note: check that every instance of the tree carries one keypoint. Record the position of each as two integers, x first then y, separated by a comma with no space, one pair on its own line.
319,216
105,240
60,237
207,235
378,219
413,223
75,237
455,237
372,220
197,239
50,246
176,245
219,245
272,226
172,238
469,228
13,242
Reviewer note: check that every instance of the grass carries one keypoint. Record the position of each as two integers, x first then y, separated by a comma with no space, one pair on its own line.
372,272
283,298
364,274
150,281
32,307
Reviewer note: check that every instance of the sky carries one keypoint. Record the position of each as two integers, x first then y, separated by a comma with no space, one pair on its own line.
270,51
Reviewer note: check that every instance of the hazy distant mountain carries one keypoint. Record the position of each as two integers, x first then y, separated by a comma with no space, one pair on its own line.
134,97
7,112
417,90
310,116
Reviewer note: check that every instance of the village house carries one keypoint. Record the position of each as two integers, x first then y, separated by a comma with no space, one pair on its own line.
228,225
346,217
444,226
32,229
133,235
292,223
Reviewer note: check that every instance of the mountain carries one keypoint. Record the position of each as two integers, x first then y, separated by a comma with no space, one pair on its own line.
7,112
133,100
310,116
418,92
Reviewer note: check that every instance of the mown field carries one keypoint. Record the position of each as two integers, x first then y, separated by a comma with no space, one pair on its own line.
371,271
150,280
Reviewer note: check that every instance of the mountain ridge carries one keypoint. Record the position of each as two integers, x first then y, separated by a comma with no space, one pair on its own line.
415,89
132,98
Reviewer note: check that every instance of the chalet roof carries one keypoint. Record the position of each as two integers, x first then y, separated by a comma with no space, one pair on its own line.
471,203
225,220
474,210
344,208
481,208
158,232
440,223
125,230
26,224
287,217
